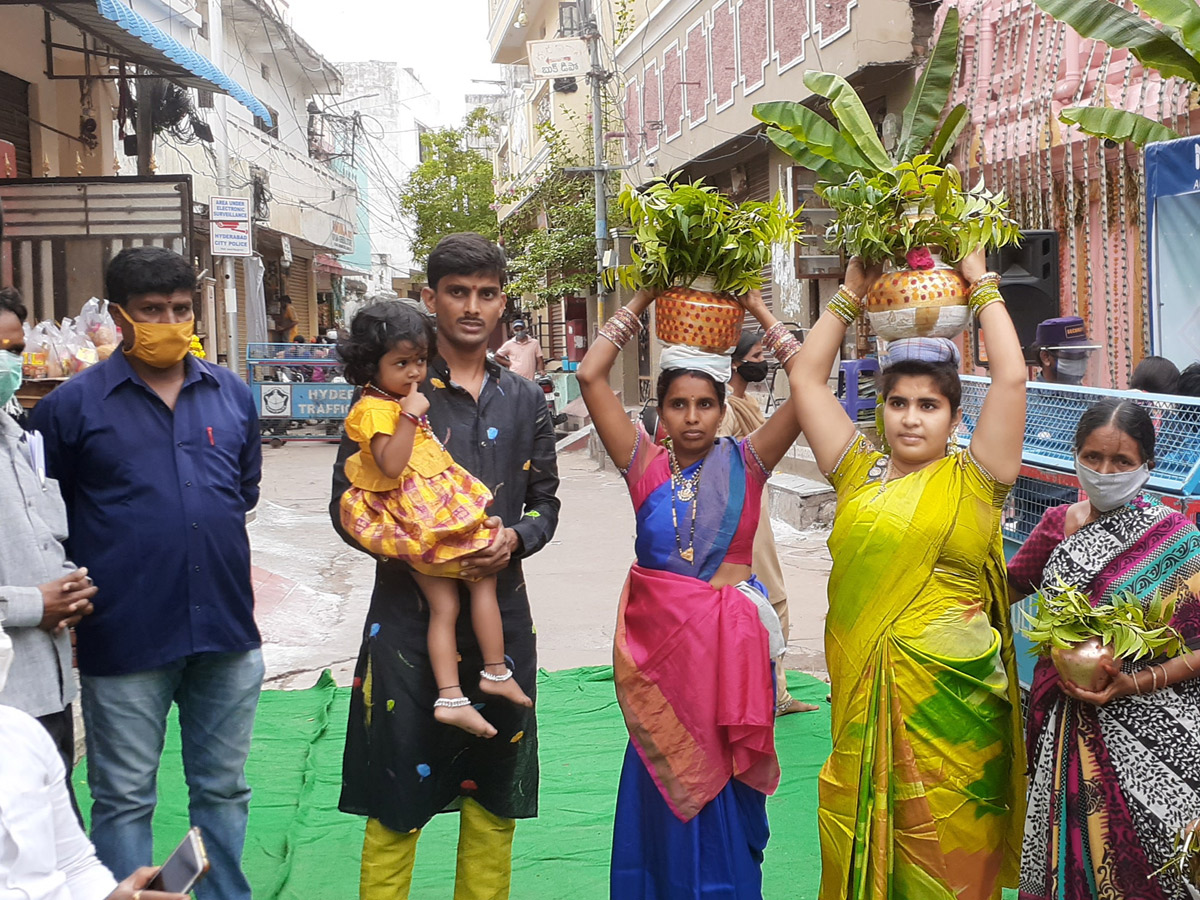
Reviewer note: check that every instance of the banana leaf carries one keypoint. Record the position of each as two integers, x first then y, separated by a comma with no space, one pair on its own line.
943,142
813,132
1106,21
856,124
929,97
1181,14
826,169
1116,124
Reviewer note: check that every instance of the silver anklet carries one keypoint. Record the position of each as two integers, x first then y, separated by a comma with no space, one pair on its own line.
484,673
451,702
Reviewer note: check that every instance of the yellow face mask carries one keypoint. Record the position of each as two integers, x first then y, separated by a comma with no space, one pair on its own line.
160,344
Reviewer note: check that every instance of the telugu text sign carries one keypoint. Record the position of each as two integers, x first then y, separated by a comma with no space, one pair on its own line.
558,59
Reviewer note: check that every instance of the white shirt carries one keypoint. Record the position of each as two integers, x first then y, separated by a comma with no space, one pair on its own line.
44,854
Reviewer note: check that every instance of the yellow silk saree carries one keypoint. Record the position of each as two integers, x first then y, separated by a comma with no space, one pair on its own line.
923,795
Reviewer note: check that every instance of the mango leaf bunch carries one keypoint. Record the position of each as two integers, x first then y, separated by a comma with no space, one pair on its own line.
682,231
1066,616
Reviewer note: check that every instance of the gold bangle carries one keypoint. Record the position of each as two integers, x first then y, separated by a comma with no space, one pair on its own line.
986,278
786,349
1153,679
845,305
615,332
628,318
986,295
1166,680
775,337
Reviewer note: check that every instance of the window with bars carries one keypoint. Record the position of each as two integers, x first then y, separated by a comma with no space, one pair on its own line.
568,19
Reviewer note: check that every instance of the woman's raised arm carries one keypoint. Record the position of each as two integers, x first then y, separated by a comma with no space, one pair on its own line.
608,414
825,424
999,434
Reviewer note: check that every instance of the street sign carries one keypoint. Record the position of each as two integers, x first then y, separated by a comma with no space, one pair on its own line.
557,59
303,399
229,231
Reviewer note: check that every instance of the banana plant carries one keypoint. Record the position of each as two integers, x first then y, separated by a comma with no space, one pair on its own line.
1168,41
835,152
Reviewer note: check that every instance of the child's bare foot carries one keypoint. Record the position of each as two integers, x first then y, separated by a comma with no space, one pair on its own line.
498,680
462,715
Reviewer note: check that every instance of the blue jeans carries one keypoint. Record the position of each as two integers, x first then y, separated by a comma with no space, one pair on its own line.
126,718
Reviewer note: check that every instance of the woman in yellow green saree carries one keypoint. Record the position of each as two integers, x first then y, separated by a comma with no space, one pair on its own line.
923,795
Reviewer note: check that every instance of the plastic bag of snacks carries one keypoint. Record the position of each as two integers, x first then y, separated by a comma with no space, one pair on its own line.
34,363
96,323
80,351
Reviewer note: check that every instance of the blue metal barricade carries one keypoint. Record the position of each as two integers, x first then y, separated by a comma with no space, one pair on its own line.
299,389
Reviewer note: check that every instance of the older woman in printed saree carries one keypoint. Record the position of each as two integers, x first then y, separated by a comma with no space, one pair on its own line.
922,796
1114,774
695,635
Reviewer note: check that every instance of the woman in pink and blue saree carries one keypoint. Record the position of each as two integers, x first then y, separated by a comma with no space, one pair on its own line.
696,636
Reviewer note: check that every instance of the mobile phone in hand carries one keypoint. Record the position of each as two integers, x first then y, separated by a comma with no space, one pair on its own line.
183,868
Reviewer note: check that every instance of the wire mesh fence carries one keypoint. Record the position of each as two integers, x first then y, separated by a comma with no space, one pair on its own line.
1052,416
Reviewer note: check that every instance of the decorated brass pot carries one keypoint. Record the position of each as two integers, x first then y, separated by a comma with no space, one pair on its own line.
698,317
918,303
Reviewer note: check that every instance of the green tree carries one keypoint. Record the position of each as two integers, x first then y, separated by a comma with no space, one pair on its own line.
551,242
450,190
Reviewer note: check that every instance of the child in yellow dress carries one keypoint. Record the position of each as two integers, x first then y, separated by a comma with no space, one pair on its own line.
410,501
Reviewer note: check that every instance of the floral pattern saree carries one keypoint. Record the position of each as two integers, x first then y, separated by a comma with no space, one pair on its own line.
923,794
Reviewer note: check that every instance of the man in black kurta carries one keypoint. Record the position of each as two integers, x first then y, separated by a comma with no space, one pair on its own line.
401,766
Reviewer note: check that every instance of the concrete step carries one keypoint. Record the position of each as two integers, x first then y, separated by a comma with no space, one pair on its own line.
800,502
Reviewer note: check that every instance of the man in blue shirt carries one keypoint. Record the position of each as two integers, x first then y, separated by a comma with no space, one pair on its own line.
158,455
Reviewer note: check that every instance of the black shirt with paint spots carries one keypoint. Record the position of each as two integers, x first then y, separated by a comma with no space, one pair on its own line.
401,766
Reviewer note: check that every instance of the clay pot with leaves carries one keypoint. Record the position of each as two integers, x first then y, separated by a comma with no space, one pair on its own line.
702,251
1082,640
909,210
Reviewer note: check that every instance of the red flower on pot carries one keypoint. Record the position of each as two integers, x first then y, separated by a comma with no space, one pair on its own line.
919,258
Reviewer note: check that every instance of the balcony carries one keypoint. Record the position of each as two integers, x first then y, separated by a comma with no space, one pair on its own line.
506,38
308,200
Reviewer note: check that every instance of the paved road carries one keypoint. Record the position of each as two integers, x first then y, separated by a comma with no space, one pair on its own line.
313,591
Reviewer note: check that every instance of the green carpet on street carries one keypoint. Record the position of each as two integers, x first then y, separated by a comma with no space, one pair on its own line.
300,847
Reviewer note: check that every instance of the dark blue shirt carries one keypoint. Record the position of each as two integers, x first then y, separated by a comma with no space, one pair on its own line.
156,502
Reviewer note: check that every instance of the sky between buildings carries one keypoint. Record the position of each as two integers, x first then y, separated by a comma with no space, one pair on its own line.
443,41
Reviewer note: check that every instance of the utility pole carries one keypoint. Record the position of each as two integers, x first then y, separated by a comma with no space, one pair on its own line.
597,76
228,278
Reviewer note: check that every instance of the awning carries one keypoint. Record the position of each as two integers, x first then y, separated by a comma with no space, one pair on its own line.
323,262
137,41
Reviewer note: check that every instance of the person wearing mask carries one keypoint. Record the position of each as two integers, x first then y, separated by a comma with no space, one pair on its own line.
44,854
42,593
159,455
1114,769
1155,375
743,416
1062,350
522,353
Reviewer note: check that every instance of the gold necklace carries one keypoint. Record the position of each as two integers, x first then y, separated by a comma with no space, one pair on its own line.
685,490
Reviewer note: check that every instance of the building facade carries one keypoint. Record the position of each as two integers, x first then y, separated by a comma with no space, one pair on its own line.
1020,69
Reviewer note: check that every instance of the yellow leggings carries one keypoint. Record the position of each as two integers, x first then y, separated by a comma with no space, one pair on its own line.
484,858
